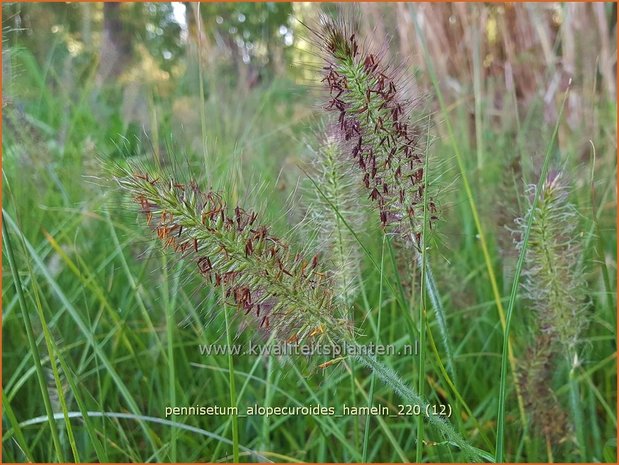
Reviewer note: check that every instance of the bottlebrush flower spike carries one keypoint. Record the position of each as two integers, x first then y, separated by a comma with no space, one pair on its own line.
383,125
386,129
555,289
535,376
259,272
553,278
332,195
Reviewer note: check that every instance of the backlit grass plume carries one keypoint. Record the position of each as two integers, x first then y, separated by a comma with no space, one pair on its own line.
333,195
553,278
555,292
261,275
383,123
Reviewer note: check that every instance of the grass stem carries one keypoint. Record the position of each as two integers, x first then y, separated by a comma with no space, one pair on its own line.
366,432
233,402
388,376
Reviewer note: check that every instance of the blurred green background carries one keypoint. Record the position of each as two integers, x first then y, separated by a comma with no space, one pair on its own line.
232,90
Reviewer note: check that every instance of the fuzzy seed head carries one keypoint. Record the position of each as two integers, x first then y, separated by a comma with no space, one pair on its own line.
553,279
381,121
260,274
535,376
334,195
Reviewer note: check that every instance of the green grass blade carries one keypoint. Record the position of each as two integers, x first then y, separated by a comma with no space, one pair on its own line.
381,422
576,406
31,341
143,419
366,432
232,385
18,433
85,330
429,285
90,427
52,359
170,325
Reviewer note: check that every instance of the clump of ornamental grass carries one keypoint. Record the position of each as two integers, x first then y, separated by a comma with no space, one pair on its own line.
260,273
555,292
381,133
334,208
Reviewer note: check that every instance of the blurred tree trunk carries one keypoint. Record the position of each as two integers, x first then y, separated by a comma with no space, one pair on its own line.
86,10
116,44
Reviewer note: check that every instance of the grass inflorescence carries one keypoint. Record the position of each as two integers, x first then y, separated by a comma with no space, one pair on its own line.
381,119
286,292
337,198
554,280
555,291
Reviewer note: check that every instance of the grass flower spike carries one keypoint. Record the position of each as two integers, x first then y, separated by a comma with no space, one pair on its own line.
535,379
335,195
555,289
553,279
386,130
383,126
285,292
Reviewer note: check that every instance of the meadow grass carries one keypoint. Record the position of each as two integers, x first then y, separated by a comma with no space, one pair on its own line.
101,331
